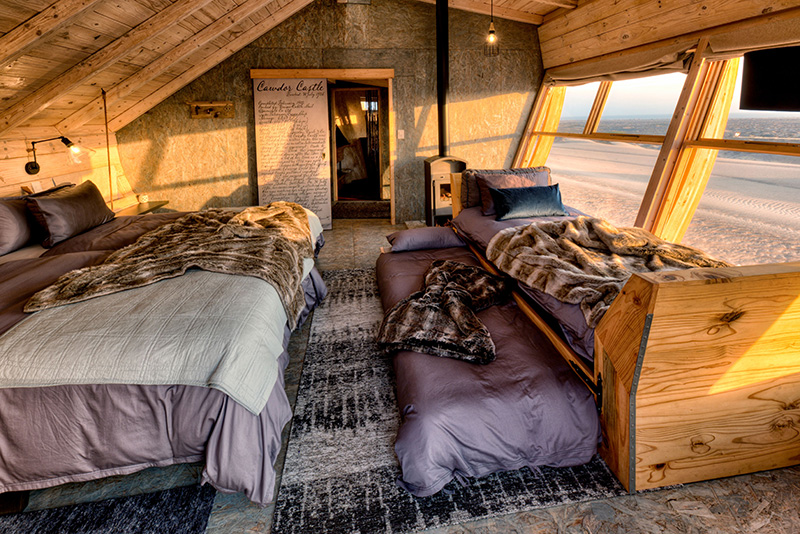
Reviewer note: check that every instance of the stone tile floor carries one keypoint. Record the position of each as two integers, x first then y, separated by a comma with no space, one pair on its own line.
767,502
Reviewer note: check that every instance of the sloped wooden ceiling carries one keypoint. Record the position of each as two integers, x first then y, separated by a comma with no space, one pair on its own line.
55,56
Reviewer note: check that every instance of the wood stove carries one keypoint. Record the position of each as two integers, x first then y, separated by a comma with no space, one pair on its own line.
438,196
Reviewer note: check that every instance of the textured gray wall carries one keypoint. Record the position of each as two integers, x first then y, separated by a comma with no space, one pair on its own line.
204,163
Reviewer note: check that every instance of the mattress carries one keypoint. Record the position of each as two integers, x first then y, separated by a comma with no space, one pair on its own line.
70,433
568,319
526,408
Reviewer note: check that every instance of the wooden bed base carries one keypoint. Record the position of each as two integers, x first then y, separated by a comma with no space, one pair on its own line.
696,373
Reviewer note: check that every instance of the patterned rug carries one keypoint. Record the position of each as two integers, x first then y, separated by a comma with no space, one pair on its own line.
340,468
177,511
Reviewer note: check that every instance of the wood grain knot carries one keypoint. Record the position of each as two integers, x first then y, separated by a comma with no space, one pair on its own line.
700,444
657,473
725,320
731,316
782,424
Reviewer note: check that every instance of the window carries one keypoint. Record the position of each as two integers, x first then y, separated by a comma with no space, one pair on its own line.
642,105
577,105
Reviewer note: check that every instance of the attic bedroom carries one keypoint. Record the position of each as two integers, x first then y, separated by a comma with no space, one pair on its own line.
399,266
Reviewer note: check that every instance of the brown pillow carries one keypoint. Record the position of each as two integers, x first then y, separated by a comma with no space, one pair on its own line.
15,230
539,176
69,211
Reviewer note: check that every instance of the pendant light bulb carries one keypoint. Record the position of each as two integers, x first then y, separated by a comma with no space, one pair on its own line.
491,47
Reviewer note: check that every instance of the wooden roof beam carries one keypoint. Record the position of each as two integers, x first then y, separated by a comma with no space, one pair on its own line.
207,63
40,99
47,21
162,64
568,4
476,6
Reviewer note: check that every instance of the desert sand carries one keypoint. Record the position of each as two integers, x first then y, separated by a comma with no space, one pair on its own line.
749,213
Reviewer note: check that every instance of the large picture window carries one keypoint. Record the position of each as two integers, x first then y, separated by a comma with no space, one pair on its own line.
647,149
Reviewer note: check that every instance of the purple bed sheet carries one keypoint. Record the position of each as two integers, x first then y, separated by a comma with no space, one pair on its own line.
480,229
54,435
526,408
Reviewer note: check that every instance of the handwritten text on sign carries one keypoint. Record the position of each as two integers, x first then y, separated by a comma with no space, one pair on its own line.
292,143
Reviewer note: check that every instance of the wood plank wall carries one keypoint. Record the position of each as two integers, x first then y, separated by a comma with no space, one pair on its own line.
601,27
57,167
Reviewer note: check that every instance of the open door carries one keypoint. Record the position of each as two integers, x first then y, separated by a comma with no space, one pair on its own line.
359,133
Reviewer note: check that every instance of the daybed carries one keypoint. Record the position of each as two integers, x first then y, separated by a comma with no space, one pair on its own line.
461,419
65,428
696,371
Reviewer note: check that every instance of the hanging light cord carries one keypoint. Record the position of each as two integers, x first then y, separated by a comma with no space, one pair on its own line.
108,151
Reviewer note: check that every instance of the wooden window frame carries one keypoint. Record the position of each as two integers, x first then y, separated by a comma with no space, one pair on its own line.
688,149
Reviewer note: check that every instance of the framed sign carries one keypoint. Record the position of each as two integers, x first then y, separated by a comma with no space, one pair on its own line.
293,143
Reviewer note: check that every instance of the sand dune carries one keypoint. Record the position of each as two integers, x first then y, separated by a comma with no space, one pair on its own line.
750,211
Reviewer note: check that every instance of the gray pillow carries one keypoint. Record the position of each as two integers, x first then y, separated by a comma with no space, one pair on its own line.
423,238
15,230
538,177
69,211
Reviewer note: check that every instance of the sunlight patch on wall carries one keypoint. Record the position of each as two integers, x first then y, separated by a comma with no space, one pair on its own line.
775,354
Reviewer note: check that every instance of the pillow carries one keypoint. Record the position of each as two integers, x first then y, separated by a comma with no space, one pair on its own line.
470,193
17,225
422,238
540,177
524,202
15,231
69,211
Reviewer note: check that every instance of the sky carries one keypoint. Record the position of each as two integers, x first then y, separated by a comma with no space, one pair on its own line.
654,96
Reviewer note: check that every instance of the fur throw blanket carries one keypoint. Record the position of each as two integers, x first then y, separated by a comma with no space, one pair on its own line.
440,319
586,261
267,242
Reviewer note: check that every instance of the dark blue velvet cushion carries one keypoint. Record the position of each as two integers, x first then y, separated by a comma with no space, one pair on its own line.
525,202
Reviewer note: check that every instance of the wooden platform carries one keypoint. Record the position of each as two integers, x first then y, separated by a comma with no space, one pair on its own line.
701,374
696,372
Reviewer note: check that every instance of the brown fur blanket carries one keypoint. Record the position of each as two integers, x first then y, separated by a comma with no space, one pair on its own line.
440,320
267,242
586,261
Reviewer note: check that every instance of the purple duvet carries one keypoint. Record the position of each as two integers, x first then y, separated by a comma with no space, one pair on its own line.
526,408
59,434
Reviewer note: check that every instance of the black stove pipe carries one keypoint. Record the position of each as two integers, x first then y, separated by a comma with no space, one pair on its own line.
442,74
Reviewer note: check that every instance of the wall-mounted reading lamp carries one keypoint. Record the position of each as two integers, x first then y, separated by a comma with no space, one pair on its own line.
32,167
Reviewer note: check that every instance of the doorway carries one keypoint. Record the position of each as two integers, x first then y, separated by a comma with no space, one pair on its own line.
381,121
360,133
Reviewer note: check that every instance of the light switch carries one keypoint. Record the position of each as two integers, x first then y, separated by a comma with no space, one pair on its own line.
401,134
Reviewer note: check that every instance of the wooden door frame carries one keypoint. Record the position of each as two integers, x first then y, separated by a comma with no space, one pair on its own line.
379,77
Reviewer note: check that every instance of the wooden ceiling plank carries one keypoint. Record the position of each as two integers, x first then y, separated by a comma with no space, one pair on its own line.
40,99
559,3
24,36
627,23
126,12
476,6
158,66
201,67
77,37
533,6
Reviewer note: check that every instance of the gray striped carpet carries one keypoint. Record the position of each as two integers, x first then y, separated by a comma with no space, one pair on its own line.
340,469
182,510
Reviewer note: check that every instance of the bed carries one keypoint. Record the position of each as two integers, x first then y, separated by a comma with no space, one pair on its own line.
72,430
696,371
461,419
